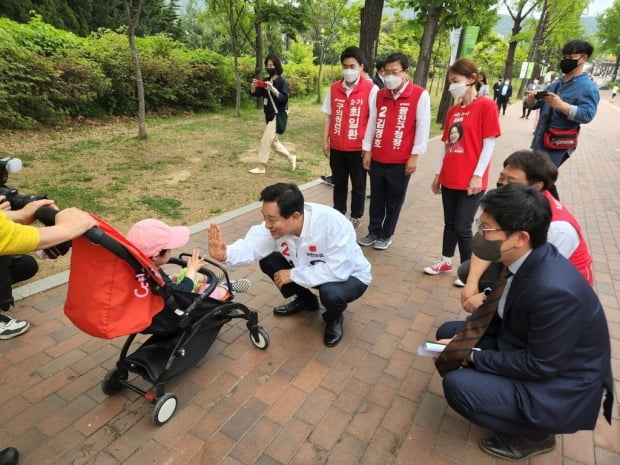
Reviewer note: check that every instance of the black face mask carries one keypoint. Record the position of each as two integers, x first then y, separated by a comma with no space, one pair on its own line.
568,64
485,249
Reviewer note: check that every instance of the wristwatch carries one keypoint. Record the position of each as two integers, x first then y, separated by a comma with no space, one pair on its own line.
470,359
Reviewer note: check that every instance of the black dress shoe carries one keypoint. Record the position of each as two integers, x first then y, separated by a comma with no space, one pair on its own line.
516,447
297,306
333,331
9,456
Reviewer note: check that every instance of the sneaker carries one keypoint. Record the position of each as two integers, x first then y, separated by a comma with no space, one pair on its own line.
240,285
293,162
438,267
356,222
459,283
257,170
10,327
368,240
329,180
382,244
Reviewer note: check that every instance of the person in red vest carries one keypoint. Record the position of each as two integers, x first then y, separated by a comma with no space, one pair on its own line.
536,169
397,134
347,107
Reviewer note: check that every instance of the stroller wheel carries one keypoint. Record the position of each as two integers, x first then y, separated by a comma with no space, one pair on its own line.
259,338
164,409
112,382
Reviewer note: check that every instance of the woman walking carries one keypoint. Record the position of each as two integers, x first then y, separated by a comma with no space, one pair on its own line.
274,91
463,171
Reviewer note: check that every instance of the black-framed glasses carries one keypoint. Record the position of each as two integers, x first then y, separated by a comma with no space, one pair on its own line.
392,72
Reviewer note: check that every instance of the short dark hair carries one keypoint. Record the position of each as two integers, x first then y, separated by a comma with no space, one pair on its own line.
275,59
401,58
517,207
287,195
379,64
578,46
353,52
536,165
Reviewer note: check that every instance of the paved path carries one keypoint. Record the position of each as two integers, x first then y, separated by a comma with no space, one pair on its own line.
371,400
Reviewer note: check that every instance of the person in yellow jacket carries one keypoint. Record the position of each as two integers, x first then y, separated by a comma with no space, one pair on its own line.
17,236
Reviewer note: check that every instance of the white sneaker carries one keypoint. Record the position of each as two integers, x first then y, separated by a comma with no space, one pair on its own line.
459,283
10,327
257,170
293,161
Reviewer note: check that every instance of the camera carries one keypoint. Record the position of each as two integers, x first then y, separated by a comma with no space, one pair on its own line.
540,94
17,200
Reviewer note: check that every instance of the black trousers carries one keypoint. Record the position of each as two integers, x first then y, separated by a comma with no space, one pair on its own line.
345,166
388,189
13,269
334,296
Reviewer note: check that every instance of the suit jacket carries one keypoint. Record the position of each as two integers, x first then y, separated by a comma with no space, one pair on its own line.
378,81
554,342
506,97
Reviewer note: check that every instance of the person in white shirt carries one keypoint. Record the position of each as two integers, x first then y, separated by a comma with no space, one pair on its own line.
302,246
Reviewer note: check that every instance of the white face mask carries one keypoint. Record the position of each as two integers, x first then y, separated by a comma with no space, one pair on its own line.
350,75
457,89
392,82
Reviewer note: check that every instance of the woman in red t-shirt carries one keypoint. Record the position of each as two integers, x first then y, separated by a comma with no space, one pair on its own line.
470,130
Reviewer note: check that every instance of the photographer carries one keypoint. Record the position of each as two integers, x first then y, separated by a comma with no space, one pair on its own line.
17,237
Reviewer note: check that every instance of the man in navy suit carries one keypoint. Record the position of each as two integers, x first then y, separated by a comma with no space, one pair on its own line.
545,360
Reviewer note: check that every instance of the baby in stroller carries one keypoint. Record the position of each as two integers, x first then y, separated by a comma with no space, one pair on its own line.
117,287
156,239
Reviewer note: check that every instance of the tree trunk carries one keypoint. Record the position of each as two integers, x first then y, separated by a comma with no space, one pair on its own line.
132,23
370,19
258,68
426,47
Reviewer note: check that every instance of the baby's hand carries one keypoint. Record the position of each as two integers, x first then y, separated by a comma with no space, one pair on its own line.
194,263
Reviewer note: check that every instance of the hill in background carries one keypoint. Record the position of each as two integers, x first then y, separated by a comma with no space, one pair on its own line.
504,25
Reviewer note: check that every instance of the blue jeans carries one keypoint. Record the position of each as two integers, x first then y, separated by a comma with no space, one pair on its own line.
458,213
388,186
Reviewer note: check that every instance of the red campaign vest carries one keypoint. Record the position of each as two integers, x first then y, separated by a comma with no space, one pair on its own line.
581,257
395,127
349,115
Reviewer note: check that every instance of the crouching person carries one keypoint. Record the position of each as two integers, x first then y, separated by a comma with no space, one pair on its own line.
542,359
302,246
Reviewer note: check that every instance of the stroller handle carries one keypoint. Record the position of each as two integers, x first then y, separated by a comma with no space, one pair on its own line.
47,216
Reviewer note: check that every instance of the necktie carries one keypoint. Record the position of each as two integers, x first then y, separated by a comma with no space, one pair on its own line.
476,324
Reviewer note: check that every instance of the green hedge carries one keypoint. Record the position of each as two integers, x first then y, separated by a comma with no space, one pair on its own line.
49,75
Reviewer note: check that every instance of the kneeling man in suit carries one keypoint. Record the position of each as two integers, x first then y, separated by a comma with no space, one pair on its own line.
544,362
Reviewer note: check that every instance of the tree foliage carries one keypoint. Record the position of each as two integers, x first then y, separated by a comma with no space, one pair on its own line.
85,16
608,35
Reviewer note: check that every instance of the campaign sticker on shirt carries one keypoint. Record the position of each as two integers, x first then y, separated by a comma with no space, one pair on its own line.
312,248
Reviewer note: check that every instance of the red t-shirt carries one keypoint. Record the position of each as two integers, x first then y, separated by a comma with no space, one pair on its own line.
478,120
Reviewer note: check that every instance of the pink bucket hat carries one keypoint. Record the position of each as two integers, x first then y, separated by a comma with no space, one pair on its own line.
152,236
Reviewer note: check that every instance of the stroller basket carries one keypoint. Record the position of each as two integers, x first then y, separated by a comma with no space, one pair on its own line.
115,290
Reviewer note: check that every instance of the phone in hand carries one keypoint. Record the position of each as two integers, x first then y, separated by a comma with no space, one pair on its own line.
540,94
262,84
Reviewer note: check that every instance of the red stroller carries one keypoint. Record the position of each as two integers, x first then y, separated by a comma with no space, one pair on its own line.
115,290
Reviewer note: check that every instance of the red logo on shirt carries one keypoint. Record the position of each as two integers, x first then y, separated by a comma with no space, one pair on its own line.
312,248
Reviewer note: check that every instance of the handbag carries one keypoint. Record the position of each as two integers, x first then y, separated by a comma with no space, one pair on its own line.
281,120
281,116
560,139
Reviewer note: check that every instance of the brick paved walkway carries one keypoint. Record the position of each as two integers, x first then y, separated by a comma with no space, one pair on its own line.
371,400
